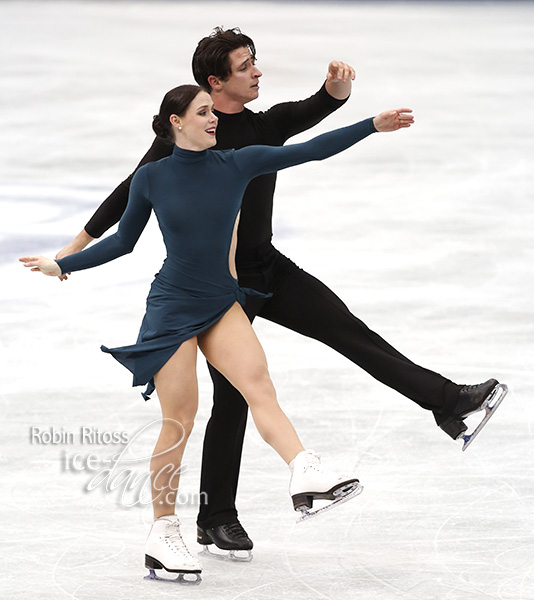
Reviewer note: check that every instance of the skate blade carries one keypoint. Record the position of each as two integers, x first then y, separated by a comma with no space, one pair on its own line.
181,578
231,555
309,513
489,405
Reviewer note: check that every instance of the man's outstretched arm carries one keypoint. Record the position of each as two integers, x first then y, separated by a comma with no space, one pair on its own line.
291,118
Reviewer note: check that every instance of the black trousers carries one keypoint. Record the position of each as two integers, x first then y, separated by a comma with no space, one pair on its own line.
302,303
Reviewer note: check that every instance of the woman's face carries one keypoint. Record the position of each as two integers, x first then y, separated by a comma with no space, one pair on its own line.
198,125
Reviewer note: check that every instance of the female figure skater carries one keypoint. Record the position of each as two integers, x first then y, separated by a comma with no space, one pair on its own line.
195,299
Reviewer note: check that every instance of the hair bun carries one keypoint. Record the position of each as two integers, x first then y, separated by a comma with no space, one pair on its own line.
157,127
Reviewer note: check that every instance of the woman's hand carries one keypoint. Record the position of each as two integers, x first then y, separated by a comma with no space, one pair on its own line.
391,120
47,266
77,245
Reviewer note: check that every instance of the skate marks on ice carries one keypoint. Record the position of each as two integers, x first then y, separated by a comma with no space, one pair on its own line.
489,405
496,557
433,522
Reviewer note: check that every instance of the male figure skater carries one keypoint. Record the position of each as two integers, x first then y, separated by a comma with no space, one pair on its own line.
225,64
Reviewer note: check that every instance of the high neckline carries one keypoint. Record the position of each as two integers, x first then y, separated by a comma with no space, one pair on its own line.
188,155
235,116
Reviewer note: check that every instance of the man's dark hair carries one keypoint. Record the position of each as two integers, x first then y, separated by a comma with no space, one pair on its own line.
211,54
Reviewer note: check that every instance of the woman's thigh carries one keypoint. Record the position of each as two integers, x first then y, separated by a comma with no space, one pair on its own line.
176,382
232,347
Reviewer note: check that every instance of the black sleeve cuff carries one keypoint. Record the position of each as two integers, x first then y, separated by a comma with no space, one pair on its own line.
333,102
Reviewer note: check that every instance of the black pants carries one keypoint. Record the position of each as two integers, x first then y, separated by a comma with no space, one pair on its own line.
302,303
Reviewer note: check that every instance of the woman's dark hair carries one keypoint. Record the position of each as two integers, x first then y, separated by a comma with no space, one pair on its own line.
175,102
211,55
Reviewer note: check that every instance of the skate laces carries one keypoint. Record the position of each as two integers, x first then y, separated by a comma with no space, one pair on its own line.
490,384
471,388
312,460
174,536
235,530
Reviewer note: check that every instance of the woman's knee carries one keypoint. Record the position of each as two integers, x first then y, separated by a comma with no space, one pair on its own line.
257,383
177,427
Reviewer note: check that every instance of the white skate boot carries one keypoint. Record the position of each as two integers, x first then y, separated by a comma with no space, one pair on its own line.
310,480
165,549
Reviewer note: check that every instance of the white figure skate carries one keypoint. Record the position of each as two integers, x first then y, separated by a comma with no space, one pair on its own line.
310,480
165,549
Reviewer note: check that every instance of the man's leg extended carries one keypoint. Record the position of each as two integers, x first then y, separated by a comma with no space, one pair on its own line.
305,305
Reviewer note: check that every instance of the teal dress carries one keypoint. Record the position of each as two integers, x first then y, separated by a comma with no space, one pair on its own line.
196,197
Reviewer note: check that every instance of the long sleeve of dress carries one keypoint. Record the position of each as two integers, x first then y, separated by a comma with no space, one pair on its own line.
131,226
257,160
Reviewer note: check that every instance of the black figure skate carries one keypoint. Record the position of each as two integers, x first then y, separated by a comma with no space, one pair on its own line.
472,399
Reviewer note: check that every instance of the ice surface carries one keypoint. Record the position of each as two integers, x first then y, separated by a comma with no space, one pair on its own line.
426,234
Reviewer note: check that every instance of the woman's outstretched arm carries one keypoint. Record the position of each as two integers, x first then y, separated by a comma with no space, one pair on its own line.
257,160
131,226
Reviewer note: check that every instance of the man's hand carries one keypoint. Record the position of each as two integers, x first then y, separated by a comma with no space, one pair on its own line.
339,79
77,245
47,266
340,71
391,120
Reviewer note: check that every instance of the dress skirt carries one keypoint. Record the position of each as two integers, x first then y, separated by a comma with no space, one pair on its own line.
173,315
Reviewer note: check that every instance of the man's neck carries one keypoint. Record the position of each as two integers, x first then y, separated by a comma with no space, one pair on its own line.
227,105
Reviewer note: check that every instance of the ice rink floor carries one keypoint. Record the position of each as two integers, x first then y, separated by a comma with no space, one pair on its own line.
426,233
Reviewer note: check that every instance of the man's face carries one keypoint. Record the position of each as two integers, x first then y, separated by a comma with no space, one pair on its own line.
243,83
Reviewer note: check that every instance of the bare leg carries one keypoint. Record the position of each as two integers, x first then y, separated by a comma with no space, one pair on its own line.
177,388
232,347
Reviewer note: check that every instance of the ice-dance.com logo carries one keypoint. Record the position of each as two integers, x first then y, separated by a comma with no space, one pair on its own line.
125,473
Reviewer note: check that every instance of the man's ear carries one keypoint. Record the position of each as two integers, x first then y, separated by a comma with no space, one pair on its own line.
214,82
